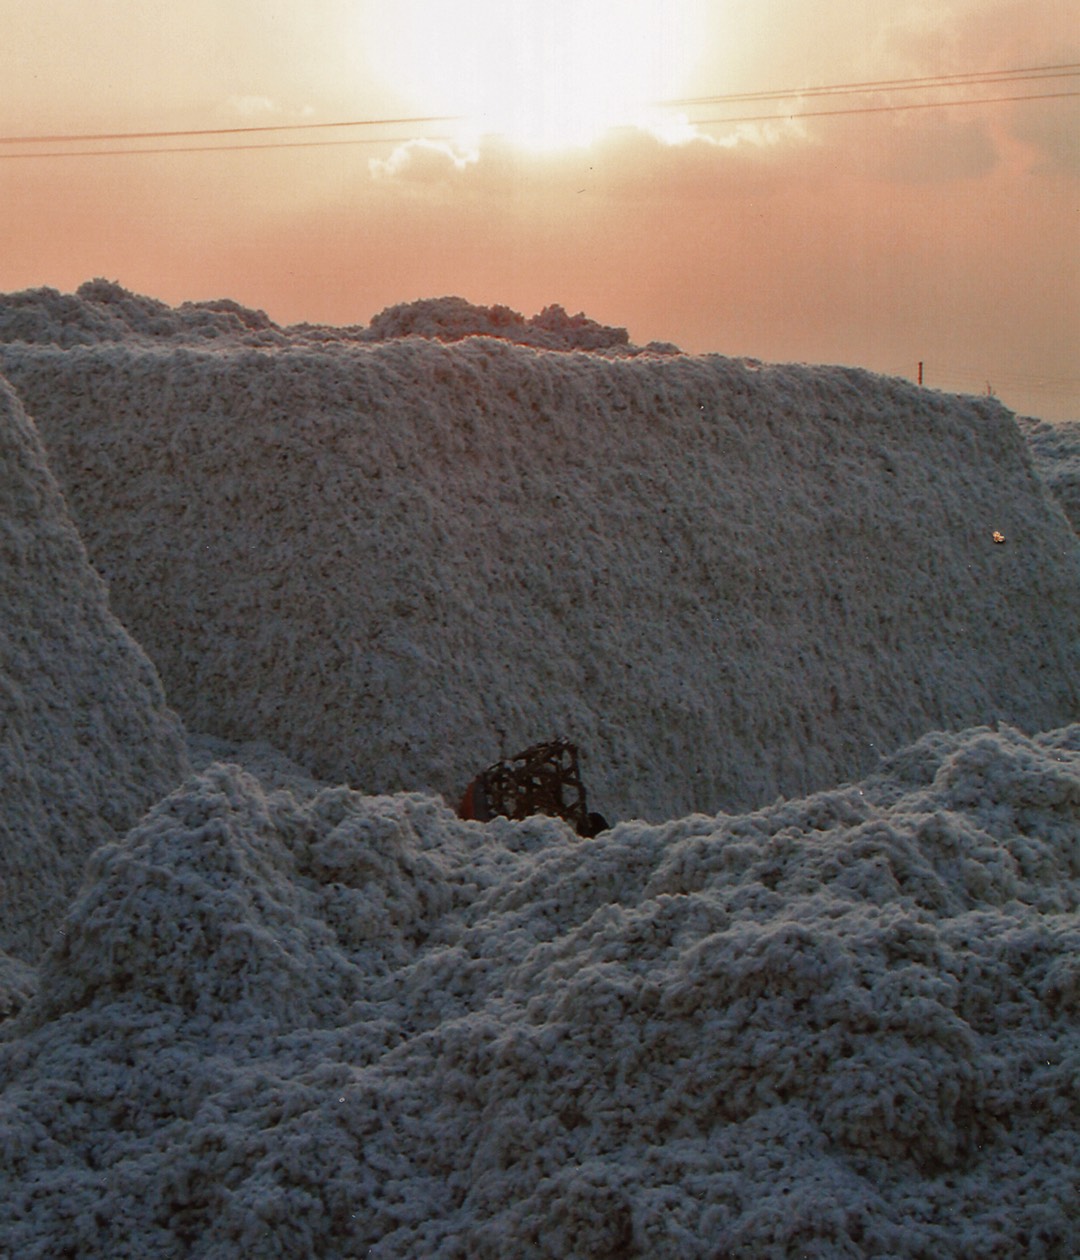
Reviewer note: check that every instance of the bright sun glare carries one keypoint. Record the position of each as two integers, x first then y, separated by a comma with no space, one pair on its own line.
542,73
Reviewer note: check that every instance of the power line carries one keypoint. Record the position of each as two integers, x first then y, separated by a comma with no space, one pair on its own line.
974,78
80,137
883,109
214,148
1063,70
949,81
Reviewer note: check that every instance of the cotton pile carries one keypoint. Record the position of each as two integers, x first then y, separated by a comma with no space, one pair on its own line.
87,743
1055,450
263,993
399,560
356,1026
103,312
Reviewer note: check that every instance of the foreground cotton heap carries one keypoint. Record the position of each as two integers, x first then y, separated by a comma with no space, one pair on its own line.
345,1025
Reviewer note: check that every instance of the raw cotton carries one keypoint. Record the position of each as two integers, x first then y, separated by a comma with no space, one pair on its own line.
102,312
841,1026
399,561
86,741
1055,449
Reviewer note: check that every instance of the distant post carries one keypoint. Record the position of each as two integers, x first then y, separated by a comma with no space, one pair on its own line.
920,371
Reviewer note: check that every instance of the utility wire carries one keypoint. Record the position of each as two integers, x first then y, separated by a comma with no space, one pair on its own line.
726,120
950,81
881,109
1067,69
975,78
226,131
216,148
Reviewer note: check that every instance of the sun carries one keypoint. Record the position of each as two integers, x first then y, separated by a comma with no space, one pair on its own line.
541,73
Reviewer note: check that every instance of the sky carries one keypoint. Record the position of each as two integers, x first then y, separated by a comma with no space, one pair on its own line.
672,167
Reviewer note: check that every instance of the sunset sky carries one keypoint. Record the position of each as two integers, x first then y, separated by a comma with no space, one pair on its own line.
567,155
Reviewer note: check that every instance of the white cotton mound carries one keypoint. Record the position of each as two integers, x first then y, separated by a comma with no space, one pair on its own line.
1055,450
86,742
844,1026
102,312
397,561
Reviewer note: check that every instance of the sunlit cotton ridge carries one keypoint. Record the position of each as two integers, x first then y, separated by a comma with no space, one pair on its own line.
543,76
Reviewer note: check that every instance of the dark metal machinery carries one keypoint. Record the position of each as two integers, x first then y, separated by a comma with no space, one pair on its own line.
544,779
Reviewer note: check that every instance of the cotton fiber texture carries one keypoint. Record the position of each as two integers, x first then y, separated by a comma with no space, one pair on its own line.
87,743
346,1025
399,560
263,993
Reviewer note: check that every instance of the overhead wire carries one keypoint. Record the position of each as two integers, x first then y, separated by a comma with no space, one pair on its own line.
71,138
882,109
216,148
1069,69
1065,70
867,87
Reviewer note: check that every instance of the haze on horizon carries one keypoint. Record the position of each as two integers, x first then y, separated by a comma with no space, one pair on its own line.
551,169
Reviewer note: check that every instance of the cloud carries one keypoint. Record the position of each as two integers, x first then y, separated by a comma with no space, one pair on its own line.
637,165
627,163
688,163
917,147
981,37
423,162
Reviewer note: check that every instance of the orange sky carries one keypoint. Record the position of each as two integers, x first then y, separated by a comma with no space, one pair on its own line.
949,235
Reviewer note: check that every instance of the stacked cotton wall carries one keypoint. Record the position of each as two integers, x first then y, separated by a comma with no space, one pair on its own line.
86,742
397,562
1055,450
